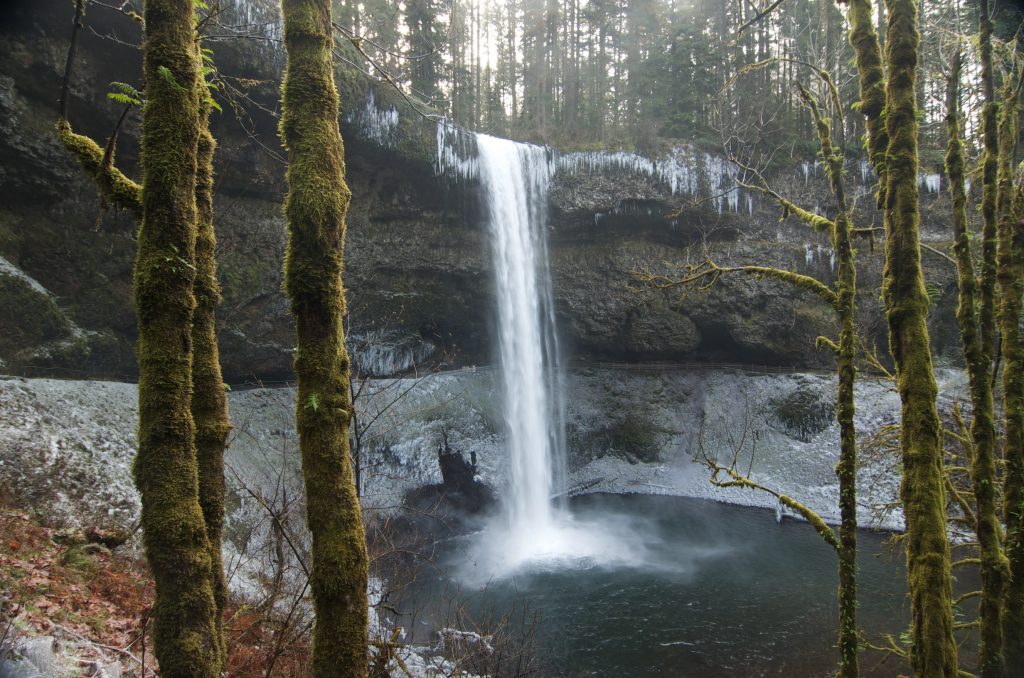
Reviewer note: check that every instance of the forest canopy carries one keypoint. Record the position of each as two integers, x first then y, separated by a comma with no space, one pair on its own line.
600,73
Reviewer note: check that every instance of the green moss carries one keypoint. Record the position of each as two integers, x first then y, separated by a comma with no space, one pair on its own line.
28,317
209,398
868,56
114,186
983,432
315,211
1010,275
933,651
166,472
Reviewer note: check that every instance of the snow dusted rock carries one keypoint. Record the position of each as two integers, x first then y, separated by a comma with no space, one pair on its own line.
48,657
66,449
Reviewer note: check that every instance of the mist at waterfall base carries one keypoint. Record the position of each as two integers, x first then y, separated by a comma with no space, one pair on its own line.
533,530
711,590
623,584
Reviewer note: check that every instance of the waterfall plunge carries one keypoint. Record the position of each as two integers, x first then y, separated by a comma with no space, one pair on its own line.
515,179
534,529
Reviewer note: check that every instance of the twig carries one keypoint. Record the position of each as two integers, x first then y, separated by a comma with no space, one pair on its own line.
760,15
72,50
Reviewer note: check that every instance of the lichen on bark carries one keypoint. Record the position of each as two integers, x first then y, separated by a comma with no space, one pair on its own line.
315,210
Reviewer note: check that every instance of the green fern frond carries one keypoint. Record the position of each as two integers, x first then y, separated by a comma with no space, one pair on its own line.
125,94
168,77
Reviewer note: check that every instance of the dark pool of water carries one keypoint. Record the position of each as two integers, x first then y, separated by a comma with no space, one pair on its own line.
731,593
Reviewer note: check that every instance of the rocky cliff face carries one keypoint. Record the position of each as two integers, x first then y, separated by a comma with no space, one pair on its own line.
418,277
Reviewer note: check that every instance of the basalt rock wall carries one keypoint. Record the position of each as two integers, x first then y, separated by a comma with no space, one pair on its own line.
418,273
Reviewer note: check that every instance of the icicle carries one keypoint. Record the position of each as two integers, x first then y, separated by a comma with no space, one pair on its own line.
380,353
374,124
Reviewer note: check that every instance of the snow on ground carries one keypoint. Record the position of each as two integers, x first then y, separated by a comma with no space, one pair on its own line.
66,449
66,446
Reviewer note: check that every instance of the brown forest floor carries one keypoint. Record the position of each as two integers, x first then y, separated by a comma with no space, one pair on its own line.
97,601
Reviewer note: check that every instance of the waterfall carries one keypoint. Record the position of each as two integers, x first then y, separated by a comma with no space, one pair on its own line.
514,178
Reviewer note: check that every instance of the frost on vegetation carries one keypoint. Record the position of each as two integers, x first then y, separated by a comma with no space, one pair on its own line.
48,657
66,449
375,124
7,268
382,353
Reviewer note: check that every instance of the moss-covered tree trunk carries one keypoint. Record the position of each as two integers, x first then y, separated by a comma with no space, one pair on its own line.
209,399
1010,275
846,470
933,650
846,355
989,191
315,210
871,76
983,430
174,532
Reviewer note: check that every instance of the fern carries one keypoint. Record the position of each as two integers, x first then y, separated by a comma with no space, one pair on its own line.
168,77
125,94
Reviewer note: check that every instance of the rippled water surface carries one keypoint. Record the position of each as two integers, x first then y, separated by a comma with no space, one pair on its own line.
709,590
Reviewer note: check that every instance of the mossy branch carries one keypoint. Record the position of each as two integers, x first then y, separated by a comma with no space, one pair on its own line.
115,188
825,342
704,276
817,222
738,480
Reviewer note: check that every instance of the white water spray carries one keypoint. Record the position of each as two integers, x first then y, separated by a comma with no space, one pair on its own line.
535,531
514,178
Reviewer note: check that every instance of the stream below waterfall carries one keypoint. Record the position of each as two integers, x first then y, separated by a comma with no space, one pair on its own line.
711,590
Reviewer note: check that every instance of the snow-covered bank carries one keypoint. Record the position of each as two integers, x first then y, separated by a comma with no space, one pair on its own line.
66,446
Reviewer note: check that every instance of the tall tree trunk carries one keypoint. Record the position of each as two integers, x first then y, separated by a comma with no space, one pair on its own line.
209,399
1011,287
315,210
933,650
846,469
870,72
983,431
166,472
989,191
